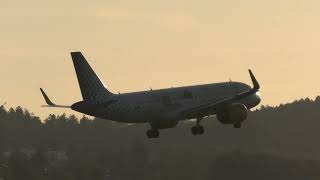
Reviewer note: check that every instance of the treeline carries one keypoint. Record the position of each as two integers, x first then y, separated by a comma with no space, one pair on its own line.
135,164
275,143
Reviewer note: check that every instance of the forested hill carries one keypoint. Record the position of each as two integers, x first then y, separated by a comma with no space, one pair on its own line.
290,130
274,143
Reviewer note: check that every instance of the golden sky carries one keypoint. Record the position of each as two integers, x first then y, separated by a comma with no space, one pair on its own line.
135,44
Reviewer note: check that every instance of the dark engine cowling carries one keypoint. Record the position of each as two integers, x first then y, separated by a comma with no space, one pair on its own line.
235,113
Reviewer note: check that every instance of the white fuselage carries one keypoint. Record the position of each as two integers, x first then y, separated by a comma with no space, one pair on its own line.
163,105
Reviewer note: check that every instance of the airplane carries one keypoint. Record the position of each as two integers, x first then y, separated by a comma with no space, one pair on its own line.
164,108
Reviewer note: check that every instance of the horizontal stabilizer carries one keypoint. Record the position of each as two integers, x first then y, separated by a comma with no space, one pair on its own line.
46,98
49,102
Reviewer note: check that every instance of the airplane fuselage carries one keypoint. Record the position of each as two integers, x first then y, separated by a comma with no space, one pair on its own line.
163,105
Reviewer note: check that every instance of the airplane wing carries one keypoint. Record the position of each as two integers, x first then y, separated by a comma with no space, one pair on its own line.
49,102
208,108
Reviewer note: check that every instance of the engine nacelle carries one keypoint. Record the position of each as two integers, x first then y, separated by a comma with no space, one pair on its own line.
235,113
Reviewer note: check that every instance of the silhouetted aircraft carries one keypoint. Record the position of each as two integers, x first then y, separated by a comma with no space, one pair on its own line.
229,101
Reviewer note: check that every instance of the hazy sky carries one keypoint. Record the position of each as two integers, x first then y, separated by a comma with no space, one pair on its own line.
135,44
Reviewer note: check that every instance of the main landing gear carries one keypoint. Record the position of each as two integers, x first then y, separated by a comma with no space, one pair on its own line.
197,129
237,125
153,133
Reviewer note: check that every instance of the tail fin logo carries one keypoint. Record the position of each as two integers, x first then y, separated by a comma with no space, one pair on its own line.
90,85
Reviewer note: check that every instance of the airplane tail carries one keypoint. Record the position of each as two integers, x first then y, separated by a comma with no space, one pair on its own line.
90,85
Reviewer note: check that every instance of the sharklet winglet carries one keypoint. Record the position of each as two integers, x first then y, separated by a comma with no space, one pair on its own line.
255,83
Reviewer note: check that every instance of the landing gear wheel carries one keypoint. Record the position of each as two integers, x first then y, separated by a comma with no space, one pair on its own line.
149,134
153,133
156,134
237,125
197,130
194,130
201,130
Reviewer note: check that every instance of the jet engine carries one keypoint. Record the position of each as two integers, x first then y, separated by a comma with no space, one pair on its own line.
235,113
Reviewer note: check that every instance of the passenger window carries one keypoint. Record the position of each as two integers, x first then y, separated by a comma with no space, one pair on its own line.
237,89
187,95
166,100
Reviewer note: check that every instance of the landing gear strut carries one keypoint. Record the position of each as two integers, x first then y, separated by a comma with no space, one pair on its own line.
153,133
197,129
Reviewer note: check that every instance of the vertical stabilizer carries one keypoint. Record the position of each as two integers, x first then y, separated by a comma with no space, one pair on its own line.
90,85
